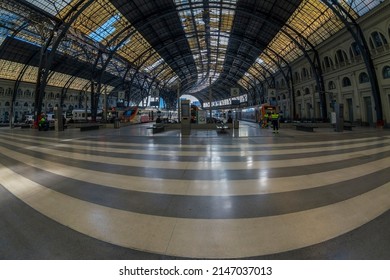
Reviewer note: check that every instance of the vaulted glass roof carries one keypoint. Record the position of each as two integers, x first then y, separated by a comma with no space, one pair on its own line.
193,44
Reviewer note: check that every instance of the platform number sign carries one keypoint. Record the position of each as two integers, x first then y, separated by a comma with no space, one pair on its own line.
234,92
121,95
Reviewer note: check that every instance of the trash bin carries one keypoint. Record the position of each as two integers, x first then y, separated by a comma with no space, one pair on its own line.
236,124
117,123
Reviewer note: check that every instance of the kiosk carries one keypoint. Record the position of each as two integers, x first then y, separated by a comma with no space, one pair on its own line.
185,117
339,110
58,119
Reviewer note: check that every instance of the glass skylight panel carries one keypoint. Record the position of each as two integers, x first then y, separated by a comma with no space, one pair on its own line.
8,23
105,30
209,43
313,21
50,6
10,70
361,7
154,65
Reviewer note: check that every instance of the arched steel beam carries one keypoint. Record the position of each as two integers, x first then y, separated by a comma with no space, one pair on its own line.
232,38
300,46
245,62
49,50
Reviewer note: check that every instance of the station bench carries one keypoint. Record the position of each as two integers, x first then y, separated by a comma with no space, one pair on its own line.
87,127
25,125
305,127
221,127
158,127
348,126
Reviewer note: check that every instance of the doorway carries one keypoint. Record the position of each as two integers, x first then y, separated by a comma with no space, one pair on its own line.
350,110
368,110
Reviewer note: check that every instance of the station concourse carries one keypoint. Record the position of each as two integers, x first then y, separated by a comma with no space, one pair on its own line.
247,194
138,129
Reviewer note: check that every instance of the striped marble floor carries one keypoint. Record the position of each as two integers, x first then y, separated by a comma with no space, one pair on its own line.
118,193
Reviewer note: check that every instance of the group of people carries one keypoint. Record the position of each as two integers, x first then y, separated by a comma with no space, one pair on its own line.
43,123
271,118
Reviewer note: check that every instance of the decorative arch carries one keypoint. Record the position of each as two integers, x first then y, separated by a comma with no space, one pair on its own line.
327,62
377,40
331,85
386,72
346,82
363,78
305,73
354,50
341,57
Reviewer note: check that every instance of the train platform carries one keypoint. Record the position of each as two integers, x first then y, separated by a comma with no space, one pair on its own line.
249,193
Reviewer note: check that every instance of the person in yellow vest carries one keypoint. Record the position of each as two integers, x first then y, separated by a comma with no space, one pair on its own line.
275,121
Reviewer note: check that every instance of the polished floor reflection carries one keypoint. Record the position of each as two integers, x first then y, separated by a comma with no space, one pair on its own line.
128,194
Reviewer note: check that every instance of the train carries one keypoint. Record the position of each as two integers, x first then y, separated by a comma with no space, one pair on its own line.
259,114
136,114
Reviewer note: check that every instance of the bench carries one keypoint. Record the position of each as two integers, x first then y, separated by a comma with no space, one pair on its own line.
348,126
158,127
221,127
89,127
25,125
305,127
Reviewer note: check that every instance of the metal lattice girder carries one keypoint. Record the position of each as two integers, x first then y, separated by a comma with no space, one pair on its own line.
190,42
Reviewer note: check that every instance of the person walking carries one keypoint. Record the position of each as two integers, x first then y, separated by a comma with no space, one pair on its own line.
275,121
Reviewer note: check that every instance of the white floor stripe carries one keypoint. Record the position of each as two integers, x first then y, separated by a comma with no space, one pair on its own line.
201,238
211,153
203,187
78,139
215,164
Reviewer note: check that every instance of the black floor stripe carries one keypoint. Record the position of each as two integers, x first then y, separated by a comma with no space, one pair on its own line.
187,174
28,235
202,207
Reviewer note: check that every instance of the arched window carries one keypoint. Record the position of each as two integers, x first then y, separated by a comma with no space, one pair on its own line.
1,91
355,50
27,93
298,93
341,57
305,73
377,40
386,72
331,85
389,30
328,61
363,78
346,82
297,77
307,91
